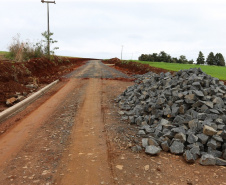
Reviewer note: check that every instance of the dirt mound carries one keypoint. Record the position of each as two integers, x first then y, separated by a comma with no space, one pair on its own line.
14,77
130,67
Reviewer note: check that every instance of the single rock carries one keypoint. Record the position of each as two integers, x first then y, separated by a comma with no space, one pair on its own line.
195,151
212,143
141,132
188,157
144,142
220,162
138,120
218,101
178,120
152,141
192,138
180,136
208,103
199,93
11,101
177,147
217,138
190,97
164,122
165,146
193,124
203,138
209,131
131,119
207,160
121,112
152,150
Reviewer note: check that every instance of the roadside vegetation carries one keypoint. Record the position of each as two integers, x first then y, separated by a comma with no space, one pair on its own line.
21,51
3,55
215,71
3,52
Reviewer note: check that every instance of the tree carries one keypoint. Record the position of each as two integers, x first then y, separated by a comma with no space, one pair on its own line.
211,59
155,57
174,60
182,59
143,57
201,58
191,61
162,56
51,41
219,59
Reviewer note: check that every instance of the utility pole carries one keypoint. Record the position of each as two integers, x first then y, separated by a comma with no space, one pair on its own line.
121,52
48,44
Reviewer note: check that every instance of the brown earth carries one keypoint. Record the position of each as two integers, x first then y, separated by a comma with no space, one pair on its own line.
131,68
74,135
15,76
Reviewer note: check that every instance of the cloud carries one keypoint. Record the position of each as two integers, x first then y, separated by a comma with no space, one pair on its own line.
100,28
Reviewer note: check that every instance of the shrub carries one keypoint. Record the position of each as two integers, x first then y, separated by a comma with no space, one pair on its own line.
22,51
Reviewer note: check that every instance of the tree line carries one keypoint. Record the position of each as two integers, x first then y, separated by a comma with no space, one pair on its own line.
211,59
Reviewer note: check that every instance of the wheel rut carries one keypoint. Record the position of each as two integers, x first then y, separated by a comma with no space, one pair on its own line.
87,158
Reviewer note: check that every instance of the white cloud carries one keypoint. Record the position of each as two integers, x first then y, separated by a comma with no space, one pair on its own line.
99,28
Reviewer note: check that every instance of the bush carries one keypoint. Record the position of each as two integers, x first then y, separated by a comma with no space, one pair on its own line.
22,51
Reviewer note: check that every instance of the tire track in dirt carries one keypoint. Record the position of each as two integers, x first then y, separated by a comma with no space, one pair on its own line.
87,159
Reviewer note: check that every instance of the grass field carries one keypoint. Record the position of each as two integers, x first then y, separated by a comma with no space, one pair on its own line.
215,71
3,52
3,55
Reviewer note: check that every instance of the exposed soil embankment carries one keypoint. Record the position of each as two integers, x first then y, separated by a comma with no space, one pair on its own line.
133,67
25,77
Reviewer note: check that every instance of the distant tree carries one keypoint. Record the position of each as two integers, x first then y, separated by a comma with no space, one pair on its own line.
191,61
174,60
162,56
219,59
155,57
183,59
201,58
211,59
169,59
143,57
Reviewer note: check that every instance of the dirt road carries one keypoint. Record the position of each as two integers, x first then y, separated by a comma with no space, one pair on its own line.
74,135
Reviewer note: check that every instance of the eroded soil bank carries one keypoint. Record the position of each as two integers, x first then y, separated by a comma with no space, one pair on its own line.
20,79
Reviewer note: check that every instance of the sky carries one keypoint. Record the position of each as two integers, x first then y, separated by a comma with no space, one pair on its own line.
102,28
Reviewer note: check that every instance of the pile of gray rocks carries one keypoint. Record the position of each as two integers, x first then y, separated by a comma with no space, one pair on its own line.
183,113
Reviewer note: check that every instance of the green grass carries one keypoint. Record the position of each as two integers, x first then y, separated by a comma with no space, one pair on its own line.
3,52
215,71
4,55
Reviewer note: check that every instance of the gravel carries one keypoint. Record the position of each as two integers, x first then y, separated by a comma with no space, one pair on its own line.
183,113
